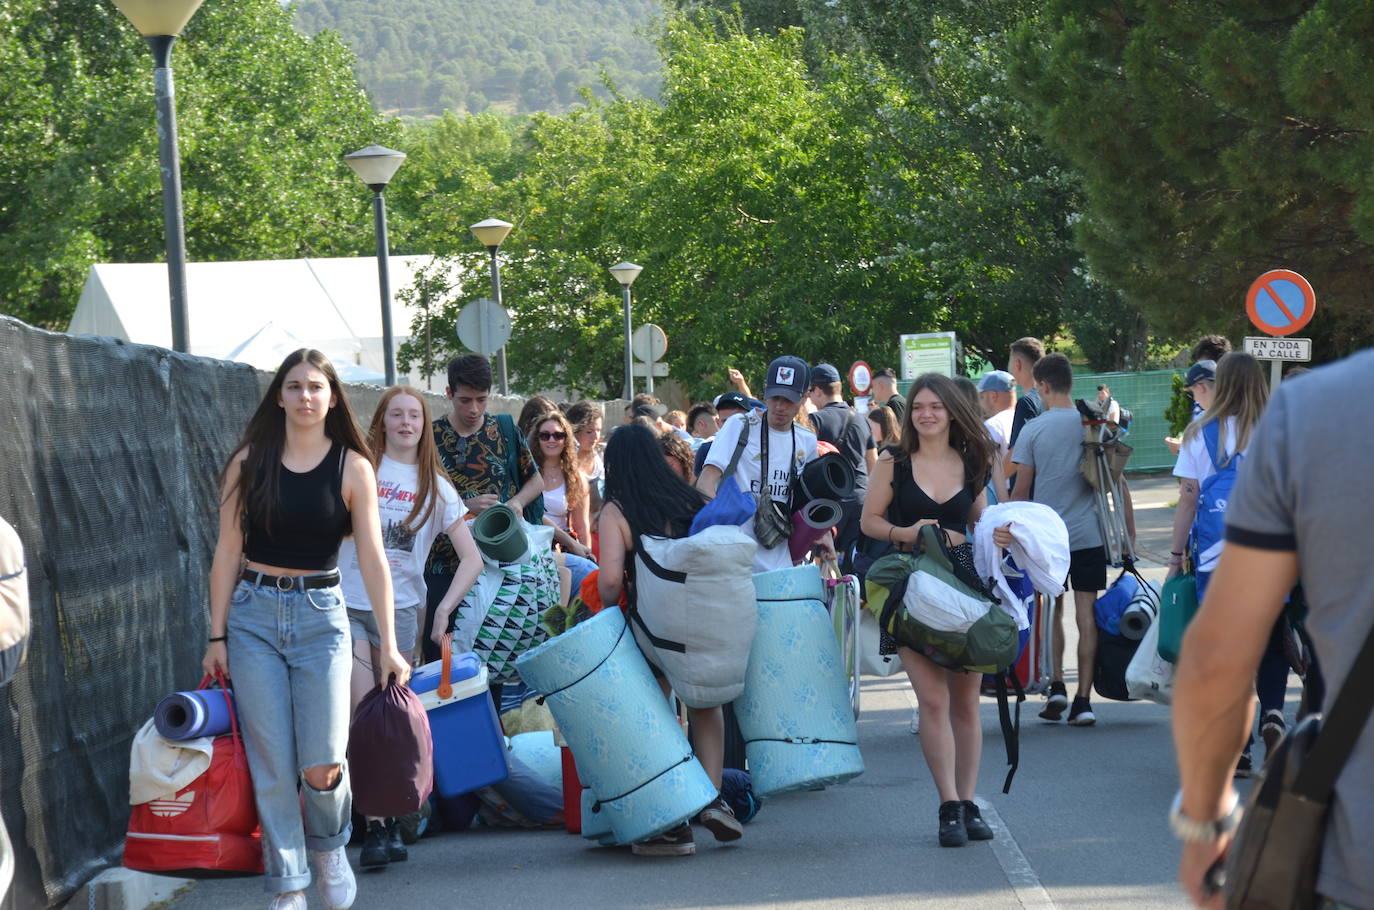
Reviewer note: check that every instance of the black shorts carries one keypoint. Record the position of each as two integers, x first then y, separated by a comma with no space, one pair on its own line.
1088,569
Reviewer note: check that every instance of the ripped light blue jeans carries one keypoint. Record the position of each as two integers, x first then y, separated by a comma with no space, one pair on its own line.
290,655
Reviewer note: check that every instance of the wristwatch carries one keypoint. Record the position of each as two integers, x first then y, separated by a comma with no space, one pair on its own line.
1192,831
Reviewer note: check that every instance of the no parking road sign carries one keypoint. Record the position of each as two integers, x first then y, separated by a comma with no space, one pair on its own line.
1280,302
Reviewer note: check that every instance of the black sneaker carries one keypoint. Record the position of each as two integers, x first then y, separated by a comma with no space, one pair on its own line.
1059,701
974,826
1244,766
952,831
395,845
1272,729
1081,714
413,825
719,819
375,852
677,842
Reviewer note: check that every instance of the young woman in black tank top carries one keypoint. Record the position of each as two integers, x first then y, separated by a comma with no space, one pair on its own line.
936,474
296,485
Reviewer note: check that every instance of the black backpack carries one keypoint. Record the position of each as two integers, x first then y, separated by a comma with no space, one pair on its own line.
1124,417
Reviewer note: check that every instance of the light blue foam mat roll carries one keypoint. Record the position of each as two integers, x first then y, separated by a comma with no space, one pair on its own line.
536,749
795,713
596,825
629,748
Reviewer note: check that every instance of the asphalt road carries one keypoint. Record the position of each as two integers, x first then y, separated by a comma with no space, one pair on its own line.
1084,826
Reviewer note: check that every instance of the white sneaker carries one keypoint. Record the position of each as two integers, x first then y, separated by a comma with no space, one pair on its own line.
915,720
291,900
337,885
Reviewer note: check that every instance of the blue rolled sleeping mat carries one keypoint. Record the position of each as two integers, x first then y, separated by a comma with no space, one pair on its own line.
630,750
193,714
795,713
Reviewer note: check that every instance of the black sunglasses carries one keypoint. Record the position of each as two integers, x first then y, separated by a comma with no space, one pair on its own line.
556,437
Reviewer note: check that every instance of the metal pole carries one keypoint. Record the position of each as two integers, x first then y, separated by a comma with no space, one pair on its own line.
496,295
384,282
629,365
169,164
1275,375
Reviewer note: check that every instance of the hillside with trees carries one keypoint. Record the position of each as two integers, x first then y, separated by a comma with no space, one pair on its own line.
422,57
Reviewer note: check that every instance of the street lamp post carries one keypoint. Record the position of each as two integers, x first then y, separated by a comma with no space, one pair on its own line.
626,273
159,22
491,234
375,166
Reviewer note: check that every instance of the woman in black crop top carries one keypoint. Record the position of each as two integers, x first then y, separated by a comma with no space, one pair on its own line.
297,484
936,475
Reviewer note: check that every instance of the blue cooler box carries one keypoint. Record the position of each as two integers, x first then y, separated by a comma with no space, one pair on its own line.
469,750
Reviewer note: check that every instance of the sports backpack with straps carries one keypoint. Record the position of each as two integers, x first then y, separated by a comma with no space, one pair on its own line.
1209,525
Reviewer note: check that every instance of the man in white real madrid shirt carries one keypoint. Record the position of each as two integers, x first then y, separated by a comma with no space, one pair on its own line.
789,446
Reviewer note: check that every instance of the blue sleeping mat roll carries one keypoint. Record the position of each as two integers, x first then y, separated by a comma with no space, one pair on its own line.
795,713
629,748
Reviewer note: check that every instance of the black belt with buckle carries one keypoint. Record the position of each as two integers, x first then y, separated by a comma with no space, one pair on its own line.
291,582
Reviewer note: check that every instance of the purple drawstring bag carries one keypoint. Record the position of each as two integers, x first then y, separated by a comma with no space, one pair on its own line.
390,753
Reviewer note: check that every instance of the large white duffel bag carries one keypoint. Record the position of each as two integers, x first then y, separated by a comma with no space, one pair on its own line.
695,611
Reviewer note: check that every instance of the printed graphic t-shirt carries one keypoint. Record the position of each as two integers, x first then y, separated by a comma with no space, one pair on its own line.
476,464
787,449
397,489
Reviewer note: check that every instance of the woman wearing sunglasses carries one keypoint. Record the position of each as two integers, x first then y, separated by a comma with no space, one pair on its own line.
566,499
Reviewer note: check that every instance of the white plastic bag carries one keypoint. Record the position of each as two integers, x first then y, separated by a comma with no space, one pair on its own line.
1149,675
871,663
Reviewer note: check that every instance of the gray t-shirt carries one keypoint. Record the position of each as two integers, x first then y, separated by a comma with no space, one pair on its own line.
1053,444
1299,490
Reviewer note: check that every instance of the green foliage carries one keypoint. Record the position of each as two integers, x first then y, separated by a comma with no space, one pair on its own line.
982,207
264,113
1215,141
1179,413
423,57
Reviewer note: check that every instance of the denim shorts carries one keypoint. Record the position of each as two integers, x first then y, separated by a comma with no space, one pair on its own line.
363,624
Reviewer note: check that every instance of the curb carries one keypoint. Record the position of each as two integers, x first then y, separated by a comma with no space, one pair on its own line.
125,889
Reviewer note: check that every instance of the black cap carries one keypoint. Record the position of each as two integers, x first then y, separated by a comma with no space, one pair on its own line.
824,372
787,378
734,400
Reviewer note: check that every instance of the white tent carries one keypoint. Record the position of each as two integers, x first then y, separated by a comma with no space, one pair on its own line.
256,312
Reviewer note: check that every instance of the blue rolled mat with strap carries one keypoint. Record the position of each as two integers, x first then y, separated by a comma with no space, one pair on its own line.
190,715
629,748
795,713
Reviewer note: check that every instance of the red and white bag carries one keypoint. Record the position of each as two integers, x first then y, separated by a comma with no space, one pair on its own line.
209,826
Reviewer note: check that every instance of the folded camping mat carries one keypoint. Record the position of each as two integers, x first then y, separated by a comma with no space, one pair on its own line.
629,748
795,713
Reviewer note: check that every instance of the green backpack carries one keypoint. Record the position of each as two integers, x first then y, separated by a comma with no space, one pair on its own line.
988,645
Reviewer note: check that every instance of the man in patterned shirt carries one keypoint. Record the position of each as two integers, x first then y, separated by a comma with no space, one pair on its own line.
487,459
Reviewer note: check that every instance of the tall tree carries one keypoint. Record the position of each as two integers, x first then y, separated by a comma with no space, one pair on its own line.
265,116
1216,141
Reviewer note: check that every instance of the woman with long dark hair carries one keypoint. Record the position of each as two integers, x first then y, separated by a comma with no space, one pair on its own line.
417,503
297,484
936,475
645,496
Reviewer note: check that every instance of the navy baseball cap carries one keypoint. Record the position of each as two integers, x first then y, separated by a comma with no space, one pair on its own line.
824,372
733,400
788,377
1202,371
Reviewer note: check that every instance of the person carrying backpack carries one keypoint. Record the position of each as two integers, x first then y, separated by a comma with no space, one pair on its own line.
1211,454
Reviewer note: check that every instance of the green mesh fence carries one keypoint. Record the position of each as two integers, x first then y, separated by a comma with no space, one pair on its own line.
1146,395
